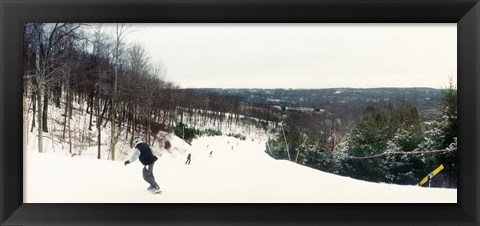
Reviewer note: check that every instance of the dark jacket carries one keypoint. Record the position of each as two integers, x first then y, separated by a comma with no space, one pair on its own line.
146,156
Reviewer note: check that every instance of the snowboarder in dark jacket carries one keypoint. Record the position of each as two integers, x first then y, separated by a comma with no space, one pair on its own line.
189,158
147,158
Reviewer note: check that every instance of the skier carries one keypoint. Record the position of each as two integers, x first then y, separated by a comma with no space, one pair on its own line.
144,154
189,157
211,152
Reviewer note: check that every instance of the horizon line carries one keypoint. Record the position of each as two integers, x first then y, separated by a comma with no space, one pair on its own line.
380,87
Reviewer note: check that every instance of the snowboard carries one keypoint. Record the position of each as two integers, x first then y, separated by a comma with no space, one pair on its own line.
156,191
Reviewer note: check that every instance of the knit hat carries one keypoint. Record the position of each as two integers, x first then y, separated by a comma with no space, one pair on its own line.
138,140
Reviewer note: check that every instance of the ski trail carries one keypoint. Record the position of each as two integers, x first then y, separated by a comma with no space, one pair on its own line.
244,174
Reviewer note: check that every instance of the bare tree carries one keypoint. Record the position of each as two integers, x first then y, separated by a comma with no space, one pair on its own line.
139,80
48,43
39,80
101,48
121,30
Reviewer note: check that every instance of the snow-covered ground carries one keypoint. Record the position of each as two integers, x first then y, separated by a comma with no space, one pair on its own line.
237,172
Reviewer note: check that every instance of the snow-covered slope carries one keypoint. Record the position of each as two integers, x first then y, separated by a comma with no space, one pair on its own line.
237,172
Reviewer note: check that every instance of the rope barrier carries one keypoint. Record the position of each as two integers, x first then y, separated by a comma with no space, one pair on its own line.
404,153
394,153
426,178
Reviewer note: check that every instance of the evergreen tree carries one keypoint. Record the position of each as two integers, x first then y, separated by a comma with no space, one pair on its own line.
183,131
371,132
381,130
408,128
443,134
449,110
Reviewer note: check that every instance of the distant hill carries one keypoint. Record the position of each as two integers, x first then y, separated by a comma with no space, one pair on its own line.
427,100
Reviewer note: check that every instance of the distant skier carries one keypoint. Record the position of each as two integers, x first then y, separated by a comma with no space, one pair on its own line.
189,158
147,158
211,152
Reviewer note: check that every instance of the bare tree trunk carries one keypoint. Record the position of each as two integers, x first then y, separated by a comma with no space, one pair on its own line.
39,77
131,138
134,124
91,110
65,115
45,110
34,99
57,94
147,125
99,138
128,121
25,89
70,107
25,114
99,128
113,122
107,107
39,119
67,105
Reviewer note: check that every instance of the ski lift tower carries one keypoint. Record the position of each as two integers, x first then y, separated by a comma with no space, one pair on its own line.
284,137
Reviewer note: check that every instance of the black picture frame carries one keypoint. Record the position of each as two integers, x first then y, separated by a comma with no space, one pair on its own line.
466,13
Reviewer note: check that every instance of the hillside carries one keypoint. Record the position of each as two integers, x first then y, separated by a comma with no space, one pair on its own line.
242,174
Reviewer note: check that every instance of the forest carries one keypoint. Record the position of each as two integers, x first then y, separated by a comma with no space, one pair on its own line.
91,69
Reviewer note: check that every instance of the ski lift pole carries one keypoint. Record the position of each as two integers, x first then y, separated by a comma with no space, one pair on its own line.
268,147
284,137
298,153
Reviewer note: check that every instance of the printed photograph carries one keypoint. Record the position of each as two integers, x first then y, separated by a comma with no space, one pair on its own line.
239,113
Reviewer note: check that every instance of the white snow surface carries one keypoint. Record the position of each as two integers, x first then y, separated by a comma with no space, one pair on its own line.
237,172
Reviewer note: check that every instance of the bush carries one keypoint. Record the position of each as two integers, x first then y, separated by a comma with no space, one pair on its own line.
168,145
212,132
237,135
184,132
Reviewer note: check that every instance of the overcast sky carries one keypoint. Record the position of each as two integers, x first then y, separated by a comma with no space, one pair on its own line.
302,55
